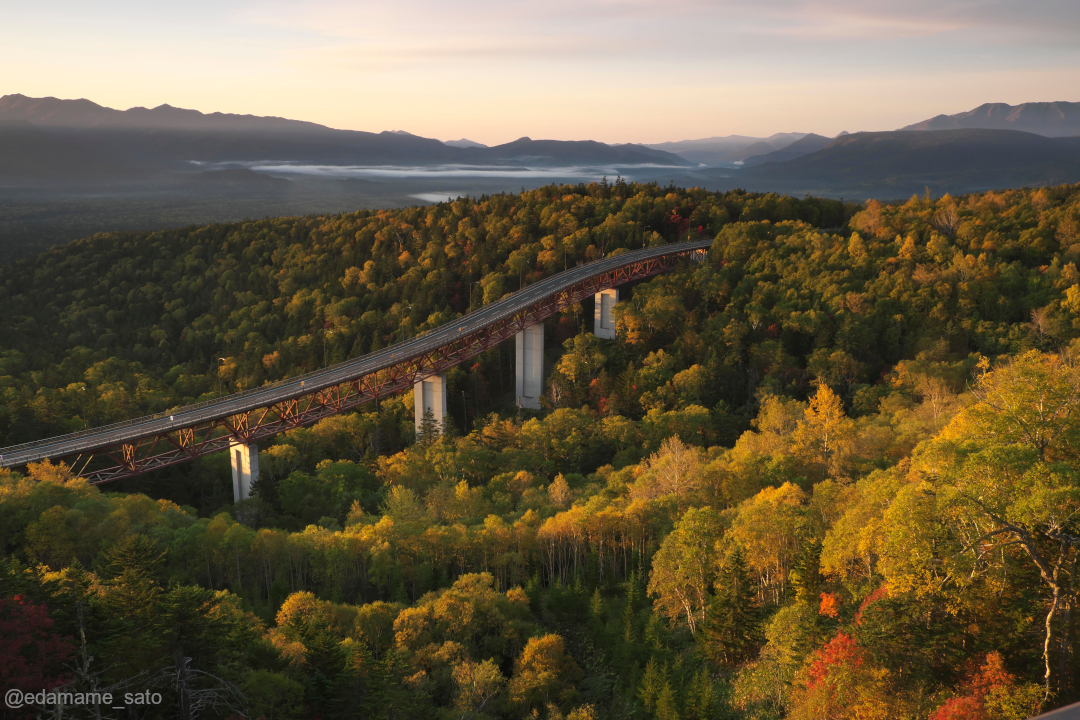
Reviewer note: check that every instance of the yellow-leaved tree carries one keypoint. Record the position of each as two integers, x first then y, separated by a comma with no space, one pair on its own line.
1001,484
823,439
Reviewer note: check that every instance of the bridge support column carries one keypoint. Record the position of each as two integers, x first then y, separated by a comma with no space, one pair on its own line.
430,394
603,323
530,366
245,469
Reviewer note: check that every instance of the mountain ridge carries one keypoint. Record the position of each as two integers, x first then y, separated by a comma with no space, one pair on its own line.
86,114
168,139
1050,119
726,149
805,145
945,160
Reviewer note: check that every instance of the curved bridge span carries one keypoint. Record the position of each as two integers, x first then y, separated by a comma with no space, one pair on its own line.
148,443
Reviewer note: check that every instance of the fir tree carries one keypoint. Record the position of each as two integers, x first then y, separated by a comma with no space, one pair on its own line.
596,604
650,685
806,574
666,709
701,697
732,621
429,428
325,662
629,635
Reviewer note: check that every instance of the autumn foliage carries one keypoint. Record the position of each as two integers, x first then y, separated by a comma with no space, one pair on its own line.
31,652
833,471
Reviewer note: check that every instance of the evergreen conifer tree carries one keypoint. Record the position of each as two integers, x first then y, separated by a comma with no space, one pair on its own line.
326,668
429,428
650,685
806,574
596,604
700,697
732,622
666,708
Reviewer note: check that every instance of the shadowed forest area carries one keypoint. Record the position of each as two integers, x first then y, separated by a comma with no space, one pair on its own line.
832,472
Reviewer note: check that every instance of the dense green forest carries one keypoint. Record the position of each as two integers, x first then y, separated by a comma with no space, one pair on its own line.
833,472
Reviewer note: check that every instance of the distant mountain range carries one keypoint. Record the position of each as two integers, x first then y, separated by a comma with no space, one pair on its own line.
936,158
71,167
727,150
896,164
803,146
1052,119
55,113
464,143
72,141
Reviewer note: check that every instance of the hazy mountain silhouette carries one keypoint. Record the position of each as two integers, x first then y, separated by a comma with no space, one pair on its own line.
69,168
570,152
803,146
463,143
167,139
945,160
728,149
54,112
1052,119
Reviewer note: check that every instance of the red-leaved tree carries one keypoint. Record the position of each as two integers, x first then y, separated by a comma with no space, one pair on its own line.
991,692
31,653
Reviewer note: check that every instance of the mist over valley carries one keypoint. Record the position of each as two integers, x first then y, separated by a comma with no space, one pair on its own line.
70,168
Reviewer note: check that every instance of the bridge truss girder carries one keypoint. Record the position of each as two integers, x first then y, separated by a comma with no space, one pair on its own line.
161,450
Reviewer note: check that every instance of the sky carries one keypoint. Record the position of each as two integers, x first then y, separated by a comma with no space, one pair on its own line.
495,70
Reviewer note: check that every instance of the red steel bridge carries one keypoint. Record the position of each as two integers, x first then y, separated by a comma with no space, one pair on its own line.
148,443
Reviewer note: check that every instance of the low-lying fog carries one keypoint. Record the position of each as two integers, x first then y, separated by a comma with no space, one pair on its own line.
589,172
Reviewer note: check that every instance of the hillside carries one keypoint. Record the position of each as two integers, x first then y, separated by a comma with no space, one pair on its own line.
1052,119
802,477
896,164
803,146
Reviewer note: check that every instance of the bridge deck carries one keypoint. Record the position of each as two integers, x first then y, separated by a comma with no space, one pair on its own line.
379,373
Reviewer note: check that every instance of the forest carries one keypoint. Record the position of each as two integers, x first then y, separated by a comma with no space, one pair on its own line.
834,472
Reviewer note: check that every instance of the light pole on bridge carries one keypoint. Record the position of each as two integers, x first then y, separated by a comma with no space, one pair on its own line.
403,319
472,288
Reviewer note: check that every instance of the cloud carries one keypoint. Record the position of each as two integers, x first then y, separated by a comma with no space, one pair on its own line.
390,35
411,52
491,70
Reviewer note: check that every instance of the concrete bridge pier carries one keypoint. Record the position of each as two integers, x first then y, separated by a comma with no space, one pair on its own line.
430,394
603,322
529,378
245,468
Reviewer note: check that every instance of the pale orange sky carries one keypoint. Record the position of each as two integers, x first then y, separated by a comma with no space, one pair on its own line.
610,70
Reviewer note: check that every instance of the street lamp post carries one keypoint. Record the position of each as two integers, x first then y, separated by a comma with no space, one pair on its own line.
328,334
219,377
407,307
472,289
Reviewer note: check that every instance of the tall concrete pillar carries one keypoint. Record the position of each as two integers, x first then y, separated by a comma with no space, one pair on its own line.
603,322
430,394
530,366
245,468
